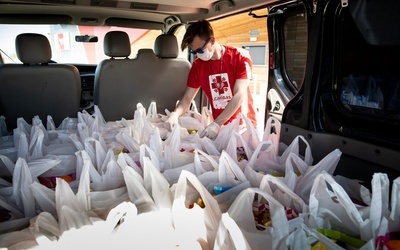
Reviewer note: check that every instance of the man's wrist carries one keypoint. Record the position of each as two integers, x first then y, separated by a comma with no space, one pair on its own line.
218,123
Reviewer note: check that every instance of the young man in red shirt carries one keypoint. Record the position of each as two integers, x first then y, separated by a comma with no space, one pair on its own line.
223,72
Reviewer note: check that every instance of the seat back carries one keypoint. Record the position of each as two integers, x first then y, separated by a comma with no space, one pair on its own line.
37,87
173,72
120,84
113,83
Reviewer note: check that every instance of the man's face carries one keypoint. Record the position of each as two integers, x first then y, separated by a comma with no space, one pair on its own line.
199,45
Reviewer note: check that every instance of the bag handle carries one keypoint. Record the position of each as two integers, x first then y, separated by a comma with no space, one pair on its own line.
294,148
322,181
298,203
327,164
242,210
226,163
264,146
152,110
268,129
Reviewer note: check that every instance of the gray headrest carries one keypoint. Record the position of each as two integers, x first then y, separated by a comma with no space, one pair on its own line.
166,46
33,48
146,54
117,44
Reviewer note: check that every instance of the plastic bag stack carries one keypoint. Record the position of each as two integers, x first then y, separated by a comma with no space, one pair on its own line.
131,183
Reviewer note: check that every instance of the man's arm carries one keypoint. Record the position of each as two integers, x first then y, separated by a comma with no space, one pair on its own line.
181,108
239,93
186,101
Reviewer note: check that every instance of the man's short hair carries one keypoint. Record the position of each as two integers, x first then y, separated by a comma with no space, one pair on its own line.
200,28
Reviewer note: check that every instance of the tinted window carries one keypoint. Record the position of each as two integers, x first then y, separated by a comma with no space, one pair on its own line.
295,31
369,82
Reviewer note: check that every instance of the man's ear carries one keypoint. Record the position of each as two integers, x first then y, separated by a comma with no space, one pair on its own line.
212,40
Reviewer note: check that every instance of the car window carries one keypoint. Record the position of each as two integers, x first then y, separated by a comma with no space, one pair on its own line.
288,28
295,31
369,80
64,47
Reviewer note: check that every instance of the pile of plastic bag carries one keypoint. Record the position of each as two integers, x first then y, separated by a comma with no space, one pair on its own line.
133,184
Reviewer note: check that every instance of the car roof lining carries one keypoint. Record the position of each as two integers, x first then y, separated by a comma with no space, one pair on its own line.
88,13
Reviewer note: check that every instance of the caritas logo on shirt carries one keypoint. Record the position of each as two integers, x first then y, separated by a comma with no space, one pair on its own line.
220,90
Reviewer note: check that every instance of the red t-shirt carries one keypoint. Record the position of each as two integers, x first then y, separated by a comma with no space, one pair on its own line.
217,79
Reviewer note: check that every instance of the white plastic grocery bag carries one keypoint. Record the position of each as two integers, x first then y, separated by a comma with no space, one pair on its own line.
45,197
294,147
7,149
151,230
8,165
22,195
298,238
38,124
13,224
174,156
229,235
50,125
156,185
152,115
69,213
3,126
23,126
206,116
226,182
81,157
124,159
196,223
22,239
241,211
225,133
190,123
295,169
395,206
97,150
263,161
249,133
21,144
137,192
207,145
331,208
69,124
153,156
282,193
127,141
36,144
141,126
354,188
327,164
53,165
272,132
239,150
45,228
89,123
204,162
172,174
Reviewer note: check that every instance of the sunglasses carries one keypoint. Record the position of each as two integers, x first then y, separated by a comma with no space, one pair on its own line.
201,50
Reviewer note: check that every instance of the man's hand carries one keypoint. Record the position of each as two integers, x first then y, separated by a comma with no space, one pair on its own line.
211,131
171,121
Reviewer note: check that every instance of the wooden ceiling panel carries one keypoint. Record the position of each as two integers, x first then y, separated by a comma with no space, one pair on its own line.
240,24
